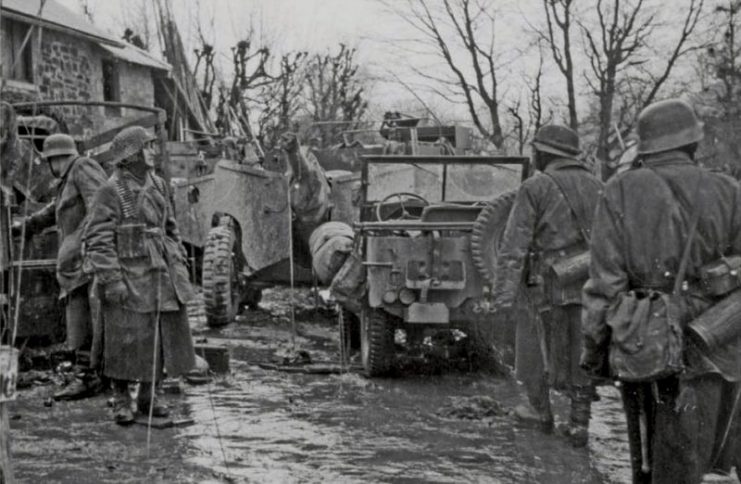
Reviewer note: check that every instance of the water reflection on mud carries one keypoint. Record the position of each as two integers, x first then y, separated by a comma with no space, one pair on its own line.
278,427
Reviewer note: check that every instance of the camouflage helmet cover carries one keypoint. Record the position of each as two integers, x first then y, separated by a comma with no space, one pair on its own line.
128,142
59,144
557,140
667,125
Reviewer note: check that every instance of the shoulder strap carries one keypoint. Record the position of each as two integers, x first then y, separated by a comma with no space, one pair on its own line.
690,238
583,228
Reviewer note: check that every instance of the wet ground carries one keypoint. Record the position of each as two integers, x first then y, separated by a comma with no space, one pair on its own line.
262,425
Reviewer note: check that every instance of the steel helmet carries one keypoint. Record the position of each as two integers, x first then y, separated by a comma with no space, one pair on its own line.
557,140
59,145
667,125
128,142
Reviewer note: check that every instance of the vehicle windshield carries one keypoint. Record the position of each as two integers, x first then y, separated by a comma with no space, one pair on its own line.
470,182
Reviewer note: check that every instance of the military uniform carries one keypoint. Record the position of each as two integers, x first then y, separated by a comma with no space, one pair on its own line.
542,224
132,237
640,230
69,210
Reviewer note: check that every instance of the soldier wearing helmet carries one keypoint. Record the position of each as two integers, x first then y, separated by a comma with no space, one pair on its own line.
79,180
133,248
647,219
549,222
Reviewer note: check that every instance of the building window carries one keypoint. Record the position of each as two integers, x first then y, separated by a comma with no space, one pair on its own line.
111,85
17,64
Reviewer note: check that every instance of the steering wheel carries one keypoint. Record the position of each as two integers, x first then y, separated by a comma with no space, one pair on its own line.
402,196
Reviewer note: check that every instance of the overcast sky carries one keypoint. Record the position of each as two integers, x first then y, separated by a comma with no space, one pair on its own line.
317,25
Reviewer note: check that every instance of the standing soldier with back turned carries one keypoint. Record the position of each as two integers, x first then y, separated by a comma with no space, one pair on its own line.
133,247
79,179
656,227
550,222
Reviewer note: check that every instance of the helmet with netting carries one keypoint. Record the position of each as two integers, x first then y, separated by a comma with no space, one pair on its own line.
667,125
129,142
59,144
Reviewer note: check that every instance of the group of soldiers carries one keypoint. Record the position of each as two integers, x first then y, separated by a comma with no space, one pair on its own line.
122,272
648,233
121,269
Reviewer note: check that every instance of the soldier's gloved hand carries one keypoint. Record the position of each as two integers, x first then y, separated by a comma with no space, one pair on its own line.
289,142
115,292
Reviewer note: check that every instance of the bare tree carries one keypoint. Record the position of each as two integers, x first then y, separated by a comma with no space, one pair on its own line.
525,125
335,92
558,16
621,33
624,32
280,100
469,23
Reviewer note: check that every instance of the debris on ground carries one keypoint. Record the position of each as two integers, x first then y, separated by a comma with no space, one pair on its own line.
472,408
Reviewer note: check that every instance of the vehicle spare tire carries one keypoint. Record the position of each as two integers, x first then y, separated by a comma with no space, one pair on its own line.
330,245
488,230
495,340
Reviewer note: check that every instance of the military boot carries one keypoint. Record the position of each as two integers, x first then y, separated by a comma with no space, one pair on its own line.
86,384
538,413
577,431
122,412
144,400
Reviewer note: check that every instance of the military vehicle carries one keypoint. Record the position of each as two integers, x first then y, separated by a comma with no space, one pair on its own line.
236,216
427,240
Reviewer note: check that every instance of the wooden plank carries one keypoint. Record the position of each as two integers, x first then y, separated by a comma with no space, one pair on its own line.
106,137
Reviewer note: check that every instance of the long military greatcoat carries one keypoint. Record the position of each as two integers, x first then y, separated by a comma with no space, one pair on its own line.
542,222
73,202
132,237
640,230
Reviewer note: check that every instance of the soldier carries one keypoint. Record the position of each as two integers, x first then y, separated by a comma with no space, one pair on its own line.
549,222
664,210
80,178
134,249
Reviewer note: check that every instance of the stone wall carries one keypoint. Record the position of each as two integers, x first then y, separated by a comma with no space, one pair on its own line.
71,68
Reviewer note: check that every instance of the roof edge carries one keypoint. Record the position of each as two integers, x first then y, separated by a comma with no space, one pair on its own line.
34,20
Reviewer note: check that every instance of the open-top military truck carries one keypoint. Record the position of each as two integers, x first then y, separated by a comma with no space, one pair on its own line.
427,240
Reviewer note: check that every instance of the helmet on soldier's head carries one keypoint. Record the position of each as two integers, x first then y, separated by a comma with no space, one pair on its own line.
59,145
557,140
128,142
667,125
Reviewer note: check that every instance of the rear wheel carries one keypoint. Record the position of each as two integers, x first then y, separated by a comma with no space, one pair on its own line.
220,277
376,342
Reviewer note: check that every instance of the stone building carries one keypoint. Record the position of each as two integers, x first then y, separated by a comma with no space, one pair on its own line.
59,55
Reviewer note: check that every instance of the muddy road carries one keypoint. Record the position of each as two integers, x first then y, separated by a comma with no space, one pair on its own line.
261,425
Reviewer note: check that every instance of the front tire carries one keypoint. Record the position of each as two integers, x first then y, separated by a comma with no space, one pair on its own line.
220,277
376,342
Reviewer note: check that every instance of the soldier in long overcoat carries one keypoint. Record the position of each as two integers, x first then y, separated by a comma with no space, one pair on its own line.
679,423
79,179
134,249
550,221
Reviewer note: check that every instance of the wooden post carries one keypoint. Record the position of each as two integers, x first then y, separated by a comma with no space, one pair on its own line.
8,376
